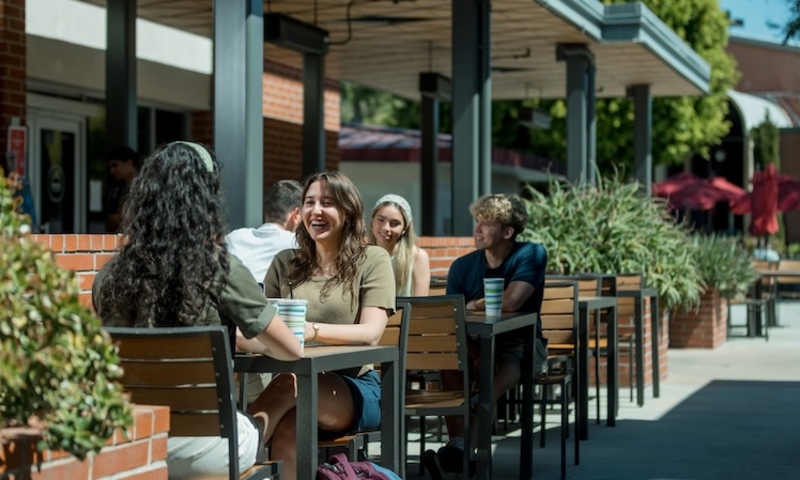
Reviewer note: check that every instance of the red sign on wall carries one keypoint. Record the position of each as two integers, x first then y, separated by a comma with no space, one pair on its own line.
18,147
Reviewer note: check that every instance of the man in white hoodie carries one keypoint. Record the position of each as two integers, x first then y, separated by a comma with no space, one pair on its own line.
256,247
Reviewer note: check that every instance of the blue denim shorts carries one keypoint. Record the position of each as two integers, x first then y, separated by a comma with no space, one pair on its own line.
366,391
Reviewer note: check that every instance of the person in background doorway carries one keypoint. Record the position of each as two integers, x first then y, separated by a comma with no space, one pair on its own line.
392,229
256,247
123,166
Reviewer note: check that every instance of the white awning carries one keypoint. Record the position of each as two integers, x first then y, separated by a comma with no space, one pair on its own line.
754,111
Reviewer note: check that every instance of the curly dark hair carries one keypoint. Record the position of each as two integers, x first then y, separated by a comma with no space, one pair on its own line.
172,265
352,246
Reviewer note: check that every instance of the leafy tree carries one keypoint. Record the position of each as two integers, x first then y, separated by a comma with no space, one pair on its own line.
368,106
766,143
681,126
792,28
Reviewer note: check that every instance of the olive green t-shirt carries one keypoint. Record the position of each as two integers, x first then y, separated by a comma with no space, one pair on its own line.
241,304
374,286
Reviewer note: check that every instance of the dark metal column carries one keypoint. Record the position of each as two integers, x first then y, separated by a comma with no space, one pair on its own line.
642,135
238,110
434,88
313,113
429,149
468,86
579,60
121,74
485,88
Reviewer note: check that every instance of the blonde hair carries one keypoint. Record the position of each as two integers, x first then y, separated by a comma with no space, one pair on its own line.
403,255
506,209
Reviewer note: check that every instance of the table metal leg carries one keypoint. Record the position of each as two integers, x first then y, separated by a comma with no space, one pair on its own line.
392,439
656,352
526,417
306,421
582,375
484,410
612,365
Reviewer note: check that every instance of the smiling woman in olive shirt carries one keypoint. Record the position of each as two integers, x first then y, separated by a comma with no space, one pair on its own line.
350,291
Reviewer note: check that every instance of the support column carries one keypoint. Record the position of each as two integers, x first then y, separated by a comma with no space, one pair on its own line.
642,135
470,52
313,113
434,88
592,172
121,114
238,110
580,77
485,88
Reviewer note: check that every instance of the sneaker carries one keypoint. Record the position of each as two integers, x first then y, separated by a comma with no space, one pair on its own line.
430,461
451,459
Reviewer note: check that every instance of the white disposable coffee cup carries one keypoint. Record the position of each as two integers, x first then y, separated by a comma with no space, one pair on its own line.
493,295
293,312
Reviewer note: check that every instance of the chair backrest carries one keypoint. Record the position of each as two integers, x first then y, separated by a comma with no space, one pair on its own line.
437,338
396,332
629,281
588,285
188,369
559,314
792,265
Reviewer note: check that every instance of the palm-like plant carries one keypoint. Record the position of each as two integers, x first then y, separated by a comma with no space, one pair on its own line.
614,229
724,264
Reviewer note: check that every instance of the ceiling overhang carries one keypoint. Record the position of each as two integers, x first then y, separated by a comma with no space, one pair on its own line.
386,44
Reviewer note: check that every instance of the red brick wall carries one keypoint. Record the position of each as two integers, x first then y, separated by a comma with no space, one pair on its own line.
83,254
140,457
443,250
12,66
767,69
707,327
283,123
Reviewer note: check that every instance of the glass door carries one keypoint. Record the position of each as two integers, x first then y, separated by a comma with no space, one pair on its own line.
58,172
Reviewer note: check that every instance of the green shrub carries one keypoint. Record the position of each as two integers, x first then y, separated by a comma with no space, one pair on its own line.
724,264
57,365
614,229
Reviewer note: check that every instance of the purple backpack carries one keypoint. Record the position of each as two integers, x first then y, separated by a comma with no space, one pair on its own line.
340,468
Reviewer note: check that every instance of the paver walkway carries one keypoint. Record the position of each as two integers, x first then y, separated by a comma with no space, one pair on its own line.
730,413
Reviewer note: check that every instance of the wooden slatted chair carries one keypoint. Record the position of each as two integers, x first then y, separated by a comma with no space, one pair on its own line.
190,370
758,307
559,320
395,334
437,340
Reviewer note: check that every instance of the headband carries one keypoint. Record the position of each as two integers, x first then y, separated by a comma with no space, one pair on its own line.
401,202
208,162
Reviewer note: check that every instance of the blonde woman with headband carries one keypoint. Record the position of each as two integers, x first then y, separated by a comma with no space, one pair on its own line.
393,229
173,271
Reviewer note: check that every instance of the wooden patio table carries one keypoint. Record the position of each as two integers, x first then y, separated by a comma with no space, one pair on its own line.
327,358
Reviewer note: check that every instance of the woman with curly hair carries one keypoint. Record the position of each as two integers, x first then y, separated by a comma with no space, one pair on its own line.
173,271
350,291
392,229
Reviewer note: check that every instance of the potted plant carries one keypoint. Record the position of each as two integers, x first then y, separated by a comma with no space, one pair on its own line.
727,272
57,365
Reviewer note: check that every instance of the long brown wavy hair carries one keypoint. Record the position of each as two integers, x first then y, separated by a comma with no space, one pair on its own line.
352,244
173,264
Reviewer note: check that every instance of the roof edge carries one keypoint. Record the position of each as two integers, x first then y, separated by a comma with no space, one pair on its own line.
586,15
634,22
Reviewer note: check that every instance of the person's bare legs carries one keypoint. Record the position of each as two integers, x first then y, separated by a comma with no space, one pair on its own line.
276,409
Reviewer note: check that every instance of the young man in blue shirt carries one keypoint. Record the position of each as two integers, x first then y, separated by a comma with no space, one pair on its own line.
498,221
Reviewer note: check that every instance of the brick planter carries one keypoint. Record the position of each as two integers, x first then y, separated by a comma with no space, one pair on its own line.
705,327
140,457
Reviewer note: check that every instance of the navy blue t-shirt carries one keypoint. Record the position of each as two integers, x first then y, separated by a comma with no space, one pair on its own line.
527,262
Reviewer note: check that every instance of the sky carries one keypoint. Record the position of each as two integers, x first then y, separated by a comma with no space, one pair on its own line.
756,14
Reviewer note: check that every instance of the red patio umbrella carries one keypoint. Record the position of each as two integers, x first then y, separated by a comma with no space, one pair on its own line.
704,193
764,202
674,183
788,196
